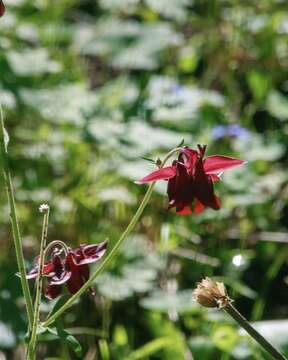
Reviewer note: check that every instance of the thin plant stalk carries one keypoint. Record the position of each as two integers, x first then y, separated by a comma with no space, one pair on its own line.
114,250
14,223
33,338
213,294
264,343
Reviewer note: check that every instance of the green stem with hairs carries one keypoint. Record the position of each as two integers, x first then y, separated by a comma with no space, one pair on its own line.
14,223
33,338
114,250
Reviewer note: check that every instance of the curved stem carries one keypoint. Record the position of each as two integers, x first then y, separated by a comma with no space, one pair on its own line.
114,250
14,223
232,311
106,261
55,243
32,343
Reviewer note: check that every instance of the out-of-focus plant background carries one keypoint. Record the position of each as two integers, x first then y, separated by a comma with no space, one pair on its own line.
90,87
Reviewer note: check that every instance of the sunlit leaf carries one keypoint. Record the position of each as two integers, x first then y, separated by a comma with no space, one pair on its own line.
163,301
7,336
32,62
55,104
277,105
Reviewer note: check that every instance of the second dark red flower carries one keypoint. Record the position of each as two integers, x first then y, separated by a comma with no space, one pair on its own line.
71,270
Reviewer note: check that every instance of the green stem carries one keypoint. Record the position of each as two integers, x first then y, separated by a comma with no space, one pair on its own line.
113,252
32,343
14,223
230,309
107,260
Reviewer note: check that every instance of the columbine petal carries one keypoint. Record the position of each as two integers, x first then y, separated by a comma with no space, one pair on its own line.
180,189
203,185
199,207
161,174
76,279
32,274
190,159
47,270
52,291
216,164
75,283
90,253
62,279
215,178
84,272
185,211
72,270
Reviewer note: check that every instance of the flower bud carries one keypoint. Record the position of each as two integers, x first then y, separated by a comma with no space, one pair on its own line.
211,294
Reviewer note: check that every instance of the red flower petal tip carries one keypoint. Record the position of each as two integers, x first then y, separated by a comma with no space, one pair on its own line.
161,174
216,164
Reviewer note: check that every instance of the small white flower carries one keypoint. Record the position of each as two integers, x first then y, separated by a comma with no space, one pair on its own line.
43,208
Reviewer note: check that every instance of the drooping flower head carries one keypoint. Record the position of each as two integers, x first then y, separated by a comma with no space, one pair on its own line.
2,8
190,179
72,270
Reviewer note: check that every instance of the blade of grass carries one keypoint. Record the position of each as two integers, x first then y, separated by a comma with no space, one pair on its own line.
36,320
14,222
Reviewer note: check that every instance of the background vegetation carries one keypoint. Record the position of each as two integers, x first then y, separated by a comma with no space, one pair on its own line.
90,87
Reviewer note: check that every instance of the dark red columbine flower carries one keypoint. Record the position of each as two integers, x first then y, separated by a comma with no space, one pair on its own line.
2,8
190,179
73,270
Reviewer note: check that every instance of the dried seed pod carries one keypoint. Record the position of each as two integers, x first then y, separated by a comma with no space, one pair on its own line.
211,294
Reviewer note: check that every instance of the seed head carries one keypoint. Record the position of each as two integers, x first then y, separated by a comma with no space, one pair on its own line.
211,294
43,208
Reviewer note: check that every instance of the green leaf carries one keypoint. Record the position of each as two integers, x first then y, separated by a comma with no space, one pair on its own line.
7,337
202,347
32,62
277,105
174,9
163,301
181,143
7,99
44,334
151,348
104,349
72,342
225,337
147,159
58,304
259,84
120,336
55,103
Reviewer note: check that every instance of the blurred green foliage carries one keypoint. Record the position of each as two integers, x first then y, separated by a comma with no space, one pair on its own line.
90,87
